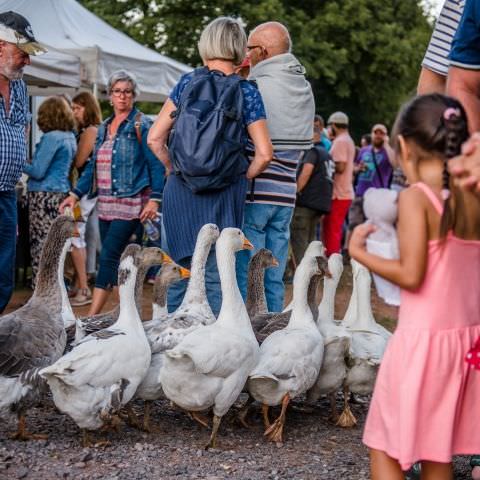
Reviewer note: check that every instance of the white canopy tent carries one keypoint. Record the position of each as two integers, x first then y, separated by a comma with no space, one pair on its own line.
73,30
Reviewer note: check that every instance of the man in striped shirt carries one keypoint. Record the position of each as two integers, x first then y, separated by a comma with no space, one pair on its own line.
433,76
290,109
16,44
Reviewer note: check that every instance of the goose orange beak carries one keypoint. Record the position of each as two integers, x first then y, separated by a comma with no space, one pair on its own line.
275,262
184,272
167,258
247,244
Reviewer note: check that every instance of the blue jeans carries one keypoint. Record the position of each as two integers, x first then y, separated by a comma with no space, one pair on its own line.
115,236
8,238
177,290
266,226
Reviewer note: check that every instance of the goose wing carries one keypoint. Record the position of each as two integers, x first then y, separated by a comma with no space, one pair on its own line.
217,352
28,339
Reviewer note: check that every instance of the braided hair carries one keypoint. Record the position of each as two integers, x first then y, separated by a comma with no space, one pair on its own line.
437,124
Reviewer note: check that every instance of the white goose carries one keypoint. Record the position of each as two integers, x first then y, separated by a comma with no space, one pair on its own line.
337,340
367,344
102,372
34,336
291,358
164,333
210,366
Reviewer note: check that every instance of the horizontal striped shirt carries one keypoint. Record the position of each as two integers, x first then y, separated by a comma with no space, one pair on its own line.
277,184
13,144
110,207
436,56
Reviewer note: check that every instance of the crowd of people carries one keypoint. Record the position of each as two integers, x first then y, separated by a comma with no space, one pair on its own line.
252,154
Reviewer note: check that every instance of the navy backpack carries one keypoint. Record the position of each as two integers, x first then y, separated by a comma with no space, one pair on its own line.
206,144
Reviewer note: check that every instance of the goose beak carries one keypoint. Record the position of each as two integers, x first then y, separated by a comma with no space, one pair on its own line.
275,262
247,244
167,258
184,273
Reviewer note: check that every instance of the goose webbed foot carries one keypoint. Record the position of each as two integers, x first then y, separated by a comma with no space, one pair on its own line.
132,418
23,435
200,418
146,427
212,443
347,418
87,441
275,432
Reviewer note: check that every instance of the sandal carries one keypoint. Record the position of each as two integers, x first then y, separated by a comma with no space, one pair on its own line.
475,464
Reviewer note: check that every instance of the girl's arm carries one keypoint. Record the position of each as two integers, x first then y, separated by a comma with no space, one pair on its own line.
158,134
409,270
85,146
42,158
260,137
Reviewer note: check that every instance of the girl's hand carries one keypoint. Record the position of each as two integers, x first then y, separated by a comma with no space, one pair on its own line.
149,211
69,202
359,237
466,167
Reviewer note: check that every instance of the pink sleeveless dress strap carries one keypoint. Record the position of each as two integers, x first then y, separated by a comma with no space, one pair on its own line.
434,200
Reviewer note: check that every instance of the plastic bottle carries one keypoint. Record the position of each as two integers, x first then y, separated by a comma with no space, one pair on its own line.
151,230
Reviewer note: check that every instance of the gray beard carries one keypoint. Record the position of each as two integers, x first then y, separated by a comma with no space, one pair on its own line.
11,75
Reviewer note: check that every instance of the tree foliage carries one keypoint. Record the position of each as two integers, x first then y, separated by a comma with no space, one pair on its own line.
362,56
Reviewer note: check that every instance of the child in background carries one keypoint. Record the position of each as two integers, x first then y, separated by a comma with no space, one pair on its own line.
426,395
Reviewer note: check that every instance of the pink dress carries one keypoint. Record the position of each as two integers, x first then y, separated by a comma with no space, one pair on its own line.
426,403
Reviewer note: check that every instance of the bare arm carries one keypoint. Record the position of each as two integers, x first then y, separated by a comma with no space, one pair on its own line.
340,167
430,82
158,135
263,148
305,175
85,146
464,85
409,270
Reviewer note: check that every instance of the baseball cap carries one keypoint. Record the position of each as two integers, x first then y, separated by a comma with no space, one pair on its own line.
14,28
339,118
381,127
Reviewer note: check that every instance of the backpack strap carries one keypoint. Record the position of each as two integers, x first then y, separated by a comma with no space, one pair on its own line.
137,124
434,200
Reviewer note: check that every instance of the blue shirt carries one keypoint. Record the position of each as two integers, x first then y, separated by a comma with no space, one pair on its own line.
52,160
465,51
13,144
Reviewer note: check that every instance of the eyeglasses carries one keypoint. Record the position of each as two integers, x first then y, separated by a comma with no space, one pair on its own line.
118,92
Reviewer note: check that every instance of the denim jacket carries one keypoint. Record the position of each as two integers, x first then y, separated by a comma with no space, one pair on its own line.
50,167
134,166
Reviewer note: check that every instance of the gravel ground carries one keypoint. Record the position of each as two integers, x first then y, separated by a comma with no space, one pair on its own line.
313,448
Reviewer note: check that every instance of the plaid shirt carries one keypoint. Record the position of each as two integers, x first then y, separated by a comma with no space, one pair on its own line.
13,143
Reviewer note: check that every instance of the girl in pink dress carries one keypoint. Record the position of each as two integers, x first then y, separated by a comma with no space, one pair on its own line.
426,395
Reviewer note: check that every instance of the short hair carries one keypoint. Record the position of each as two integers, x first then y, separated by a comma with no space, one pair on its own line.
319,119
223,38
123,76
92,114
55,114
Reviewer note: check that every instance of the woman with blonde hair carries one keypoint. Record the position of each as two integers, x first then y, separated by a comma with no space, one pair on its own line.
49,171
222,46
88,116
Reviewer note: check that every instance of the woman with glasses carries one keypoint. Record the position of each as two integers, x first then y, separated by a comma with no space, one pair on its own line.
126,178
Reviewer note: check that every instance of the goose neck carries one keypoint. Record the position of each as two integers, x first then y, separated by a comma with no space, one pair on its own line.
196,284
129,316
160,294
301,313
256,300
364,319
233,311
